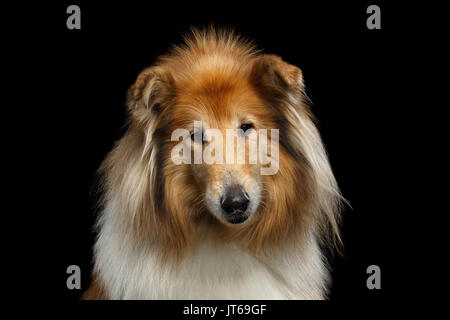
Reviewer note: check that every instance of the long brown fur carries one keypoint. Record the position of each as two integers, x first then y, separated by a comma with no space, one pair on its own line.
162,201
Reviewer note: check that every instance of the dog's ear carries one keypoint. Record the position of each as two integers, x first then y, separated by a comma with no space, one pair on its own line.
270,71
281,84
147,93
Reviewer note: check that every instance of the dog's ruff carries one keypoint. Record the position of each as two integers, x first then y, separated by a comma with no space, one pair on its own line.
209,270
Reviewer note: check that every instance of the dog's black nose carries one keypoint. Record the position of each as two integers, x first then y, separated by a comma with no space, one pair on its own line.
235,200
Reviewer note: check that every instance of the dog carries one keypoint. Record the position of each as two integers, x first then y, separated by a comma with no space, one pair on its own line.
222,230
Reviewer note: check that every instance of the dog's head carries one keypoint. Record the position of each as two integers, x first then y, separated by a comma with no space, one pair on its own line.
217,87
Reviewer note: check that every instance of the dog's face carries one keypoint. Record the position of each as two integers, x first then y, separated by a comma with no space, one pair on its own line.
220,99
229,90
231,190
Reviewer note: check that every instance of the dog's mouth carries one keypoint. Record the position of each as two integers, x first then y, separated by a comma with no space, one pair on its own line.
236,218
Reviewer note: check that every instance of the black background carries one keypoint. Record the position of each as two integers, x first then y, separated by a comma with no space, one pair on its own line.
352,76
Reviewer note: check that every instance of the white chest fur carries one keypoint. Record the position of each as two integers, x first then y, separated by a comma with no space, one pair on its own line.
207,271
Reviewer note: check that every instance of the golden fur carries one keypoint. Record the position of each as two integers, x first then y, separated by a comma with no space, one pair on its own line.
216,77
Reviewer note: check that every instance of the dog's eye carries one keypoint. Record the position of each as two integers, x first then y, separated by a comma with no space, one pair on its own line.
246,126
200,137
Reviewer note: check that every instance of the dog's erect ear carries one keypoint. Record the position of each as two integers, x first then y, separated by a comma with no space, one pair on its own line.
271,71
146,94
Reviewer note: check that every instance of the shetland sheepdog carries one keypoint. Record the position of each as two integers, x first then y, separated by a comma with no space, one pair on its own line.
223,230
